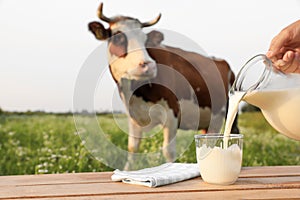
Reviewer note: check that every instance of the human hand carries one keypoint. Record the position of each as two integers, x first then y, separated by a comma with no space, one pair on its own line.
284,49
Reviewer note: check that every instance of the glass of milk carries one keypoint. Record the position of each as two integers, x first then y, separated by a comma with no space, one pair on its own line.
219,157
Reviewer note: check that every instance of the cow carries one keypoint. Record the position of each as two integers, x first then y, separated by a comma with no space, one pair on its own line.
160,84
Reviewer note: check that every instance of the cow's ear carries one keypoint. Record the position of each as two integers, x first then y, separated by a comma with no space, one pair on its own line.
99,31
154,39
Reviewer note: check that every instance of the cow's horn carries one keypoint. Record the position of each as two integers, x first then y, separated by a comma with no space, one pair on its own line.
101,16
154,21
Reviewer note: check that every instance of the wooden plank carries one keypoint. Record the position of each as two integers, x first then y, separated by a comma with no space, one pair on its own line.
111,188
48,179
278,194
270,171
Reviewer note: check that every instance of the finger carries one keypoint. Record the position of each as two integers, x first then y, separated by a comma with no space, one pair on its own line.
279,64
288,67
279,56
276,57
296,62
288,56
282,49
293,66
287,64
269,54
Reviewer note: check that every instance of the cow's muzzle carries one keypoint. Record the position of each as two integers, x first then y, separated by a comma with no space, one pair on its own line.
148,68
145,70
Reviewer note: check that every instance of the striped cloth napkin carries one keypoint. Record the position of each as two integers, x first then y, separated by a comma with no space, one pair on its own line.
157,176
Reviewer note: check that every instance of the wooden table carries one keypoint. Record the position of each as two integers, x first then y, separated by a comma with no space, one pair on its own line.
278,182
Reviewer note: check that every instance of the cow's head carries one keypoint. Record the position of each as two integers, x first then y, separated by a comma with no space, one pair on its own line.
128,57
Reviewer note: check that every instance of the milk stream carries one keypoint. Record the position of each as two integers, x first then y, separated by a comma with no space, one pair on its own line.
233,107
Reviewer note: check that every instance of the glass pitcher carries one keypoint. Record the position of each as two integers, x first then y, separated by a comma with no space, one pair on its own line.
275,93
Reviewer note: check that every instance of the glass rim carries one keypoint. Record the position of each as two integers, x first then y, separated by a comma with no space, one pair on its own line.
218,136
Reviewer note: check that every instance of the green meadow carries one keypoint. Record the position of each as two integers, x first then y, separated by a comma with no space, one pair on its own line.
50,143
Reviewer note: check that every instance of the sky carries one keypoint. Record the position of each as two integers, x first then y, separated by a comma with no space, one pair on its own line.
44,44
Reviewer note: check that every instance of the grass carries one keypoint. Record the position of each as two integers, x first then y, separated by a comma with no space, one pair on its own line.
48,143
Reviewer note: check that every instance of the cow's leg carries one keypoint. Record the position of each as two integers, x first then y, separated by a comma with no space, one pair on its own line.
134,139
169,144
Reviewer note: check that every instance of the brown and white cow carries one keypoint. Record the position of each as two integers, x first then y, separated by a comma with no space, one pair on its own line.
161,84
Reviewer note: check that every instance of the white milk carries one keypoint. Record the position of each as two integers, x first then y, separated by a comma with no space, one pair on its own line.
233,106
222,165
219,166
281,108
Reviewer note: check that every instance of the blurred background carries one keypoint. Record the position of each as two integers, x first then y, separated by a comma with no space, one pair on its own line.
43,44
